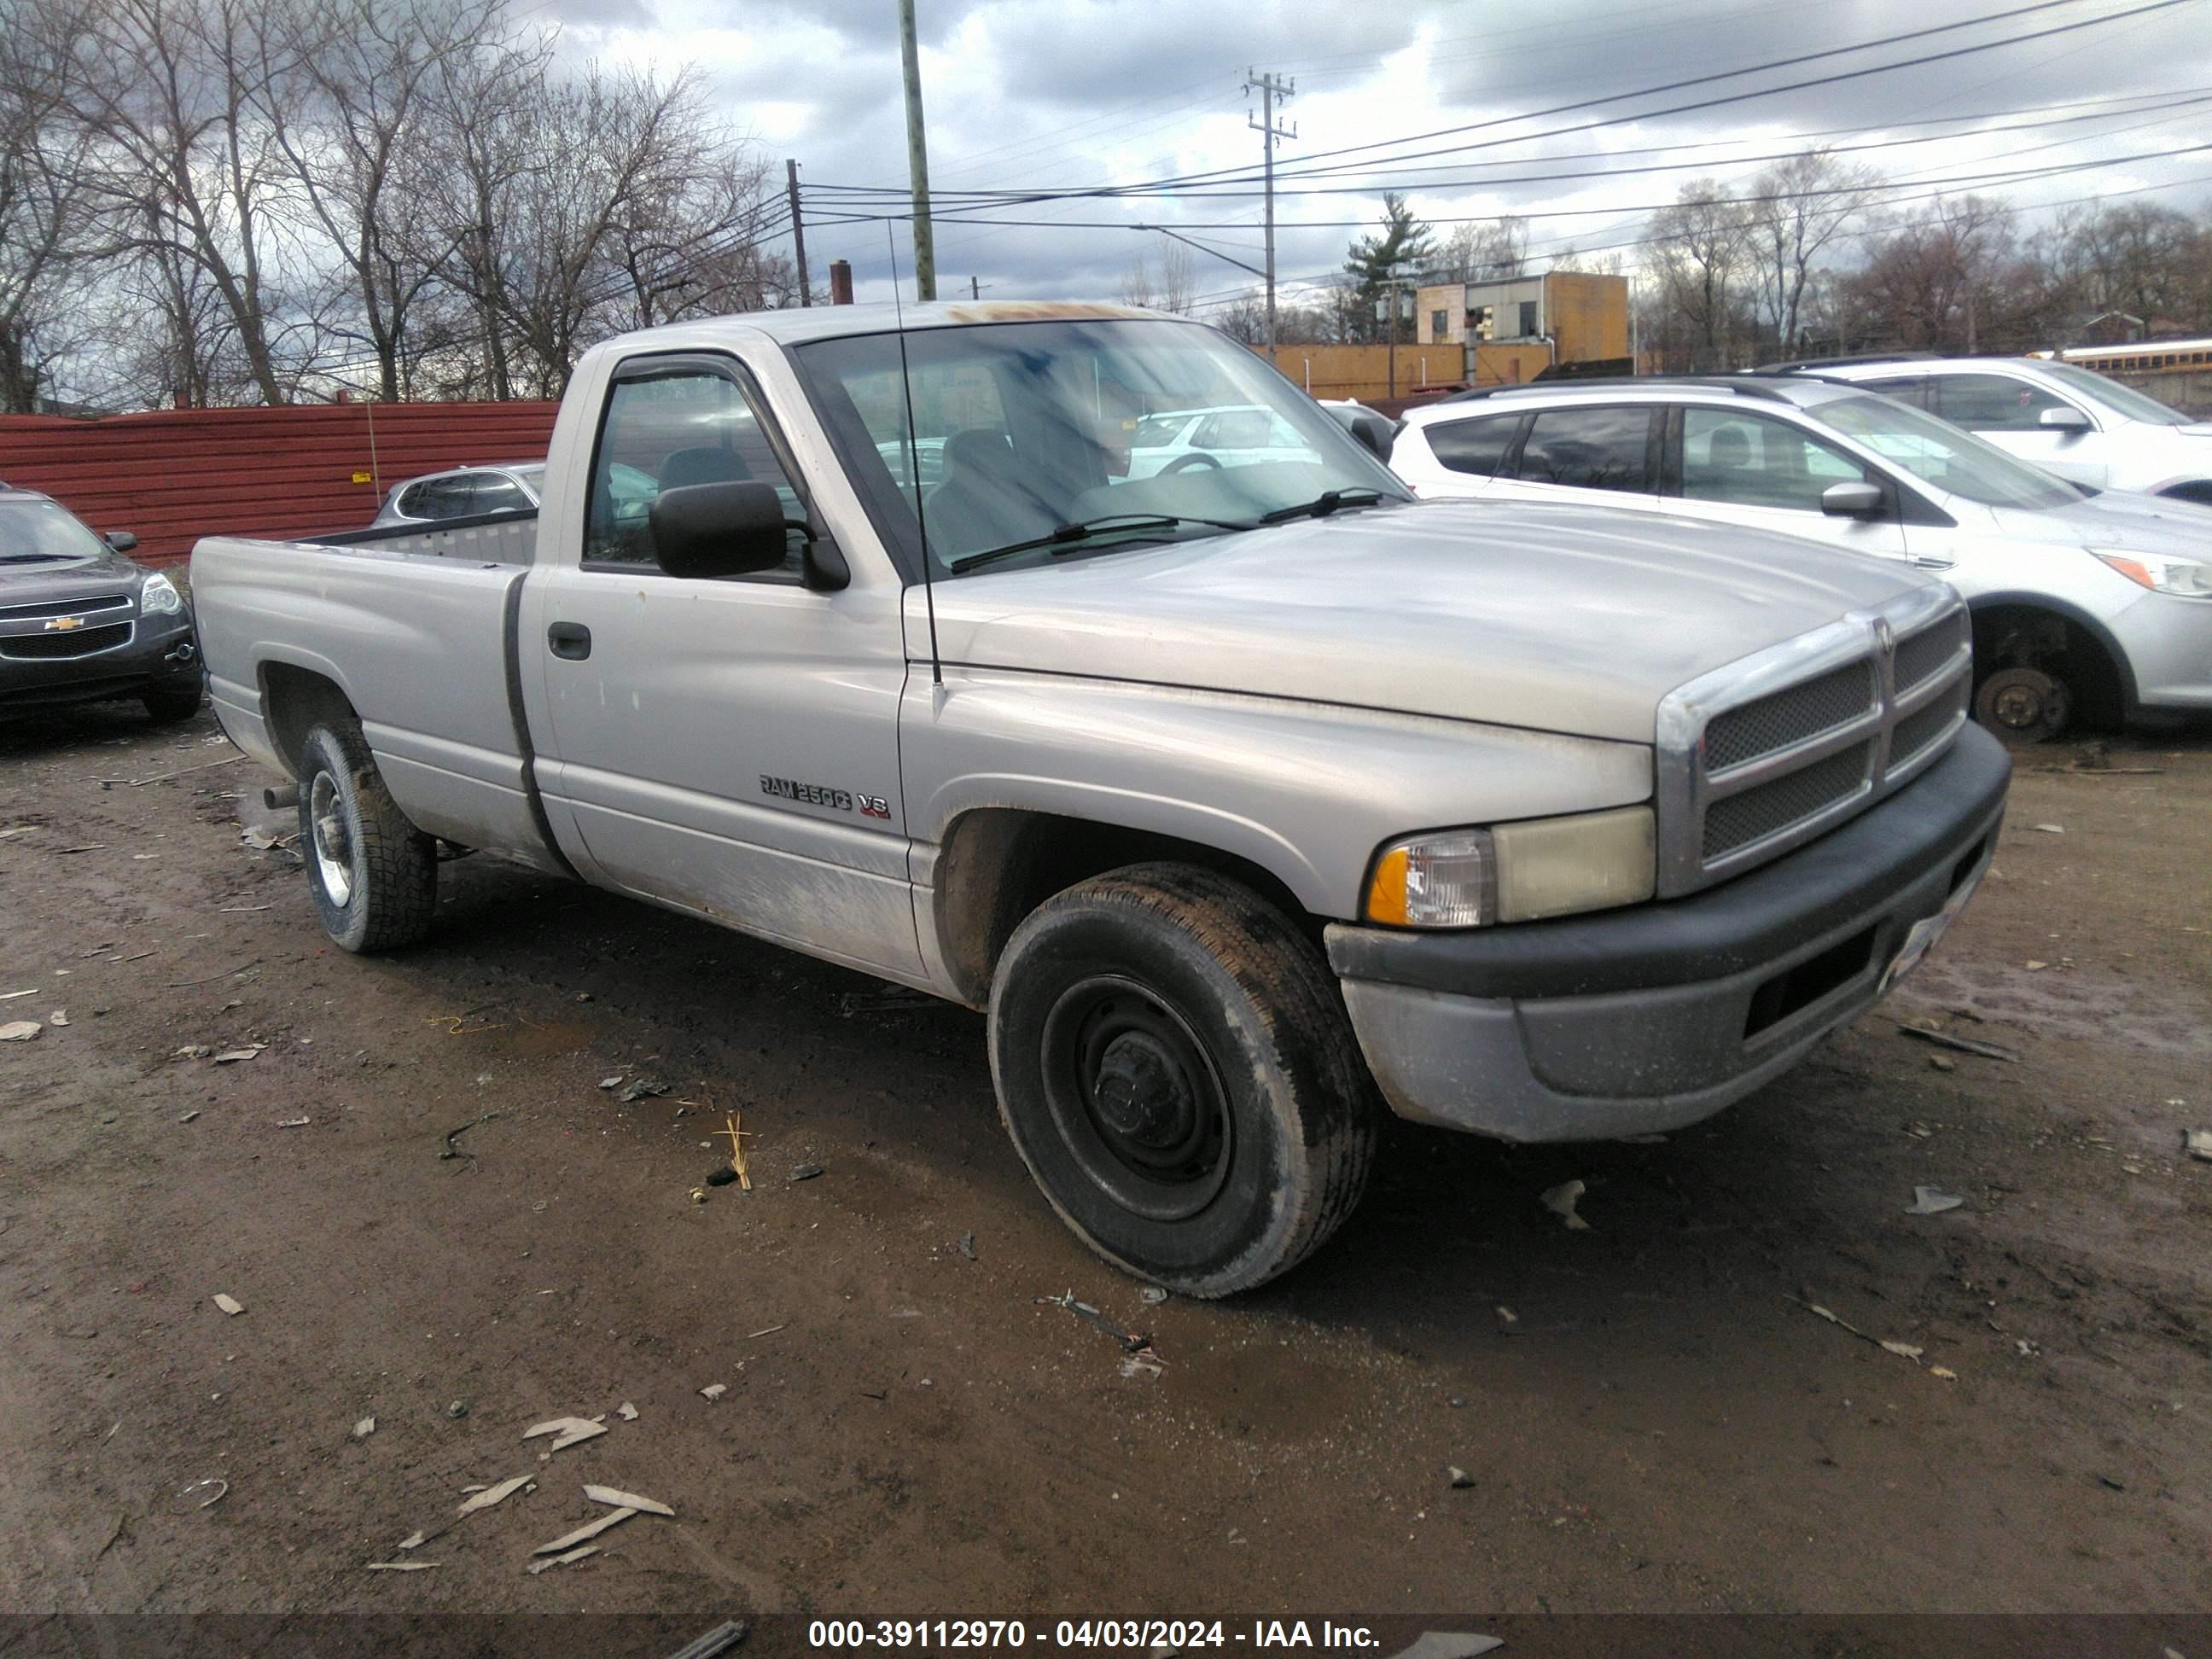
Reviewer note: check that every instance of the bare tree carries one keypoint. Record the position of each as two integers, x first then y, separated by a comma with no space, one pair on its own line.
1178,284
1934,283
1811,200
44,216
1700,250
371,70
1493,251
185,101
1137,282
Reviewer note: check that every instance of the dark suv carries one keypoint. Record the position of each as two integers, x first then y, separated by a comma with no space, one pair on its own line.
82,623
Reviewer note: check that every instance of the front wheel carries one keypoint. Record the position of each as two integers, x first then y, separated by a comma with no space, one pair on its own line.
2023,705
374,875
1175,1064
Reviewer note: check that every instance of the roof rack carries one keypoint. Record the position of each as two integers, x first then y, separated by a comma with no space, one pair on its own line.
1798,365
1735,383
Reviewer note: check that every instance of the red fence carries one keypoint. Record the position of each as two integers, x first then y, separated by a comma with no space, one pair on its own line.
176,475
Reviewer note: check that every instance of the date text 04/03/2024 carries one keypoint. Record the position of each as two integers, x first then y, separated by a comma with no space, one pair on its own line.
1141,1634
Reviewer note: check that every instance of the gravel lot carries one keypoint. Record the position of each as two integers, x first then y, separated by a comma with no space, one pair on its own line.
1651,1414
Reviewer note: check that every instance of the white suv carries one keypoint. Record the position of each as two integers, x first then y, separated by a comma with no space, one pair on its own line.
2088,605
2066,419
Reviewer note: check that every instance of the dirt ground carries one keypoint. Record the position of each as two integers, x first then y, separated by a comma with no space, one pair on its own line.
1648,1415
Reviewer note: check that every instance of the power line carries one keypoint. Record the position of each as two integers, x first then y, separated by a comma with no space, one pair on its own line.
1234,173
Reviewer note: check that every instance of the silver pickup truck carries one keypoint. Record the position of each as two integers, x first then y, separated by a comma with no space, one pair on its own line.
1244,792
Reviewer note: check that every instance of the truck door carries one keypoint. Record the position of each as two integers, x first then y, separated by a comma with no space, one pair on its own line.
729,746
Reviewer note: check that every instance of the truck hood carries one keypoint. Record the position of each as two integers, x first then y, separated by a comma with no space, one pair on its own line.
32,579
1561,618
2116,520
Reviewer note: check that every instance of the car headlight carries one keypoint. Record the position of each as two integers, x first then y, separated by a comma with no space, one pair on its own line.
159,597
1516,872
2162,574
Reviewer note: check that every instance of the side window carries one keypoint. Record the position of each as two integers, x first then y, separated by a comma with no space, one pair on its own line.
496,494
1589,448
1235,428
1993,403
410,501
1906,389
1749,460
687,425
1475,446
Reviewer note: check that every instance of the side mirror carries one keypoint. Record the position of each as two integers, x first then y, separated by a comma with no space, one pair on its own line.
2065,418
710,530
1369,428
121,540
1859,500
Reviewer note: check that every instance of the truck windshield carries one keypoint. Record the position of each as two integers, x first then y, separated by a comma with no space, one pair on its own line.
1018,429
1944,455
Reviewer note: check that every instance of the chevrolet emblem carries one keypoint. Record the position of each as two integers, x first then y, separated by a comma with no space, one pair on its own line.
62,625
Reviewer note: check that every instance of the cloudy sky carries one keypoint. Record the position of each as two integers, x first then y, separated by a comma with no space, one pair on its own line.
1054,95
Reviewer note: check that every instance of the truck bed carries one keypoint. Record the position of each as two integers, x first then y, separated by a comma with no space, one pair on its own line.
416,631
491,538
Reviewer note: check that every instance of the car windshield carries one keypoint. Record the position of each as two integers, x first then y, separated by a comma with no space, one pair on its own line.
1039,426
41,532
1946,456
2123,399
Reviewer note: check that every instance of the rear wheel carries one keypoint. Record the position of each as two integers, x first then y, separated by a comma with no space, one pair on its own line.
374,875
1175,1066
2023,705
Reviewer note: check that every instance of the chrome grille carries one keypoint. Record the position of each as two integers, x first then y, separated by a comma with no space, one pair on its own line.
1763,755
1788,717
45,608
1920,656
82,642
1925,727
1737,821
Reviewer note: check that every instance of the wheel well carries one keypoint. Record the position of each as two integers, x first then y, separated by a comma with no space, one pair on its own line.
2198,490
999,864
2027,637
296,701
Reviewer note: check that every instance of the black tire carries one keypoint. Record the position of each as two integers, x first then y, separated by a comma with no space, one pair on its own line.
1175,1064
172,708
1189,463
374,875
2023,705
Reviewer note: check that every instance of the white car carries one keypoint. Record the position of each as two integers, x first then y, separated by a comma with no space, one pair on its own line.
2088,605
1185,439
2067,419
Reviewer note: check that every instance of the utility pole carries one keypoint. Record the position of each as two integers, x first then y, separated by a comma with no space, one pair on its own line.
1271,88
917,159
975,288
798,230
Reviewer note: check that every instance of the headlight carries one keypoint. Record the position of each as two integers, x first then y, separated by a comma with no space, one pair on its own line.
2161,575
1516,872
159,597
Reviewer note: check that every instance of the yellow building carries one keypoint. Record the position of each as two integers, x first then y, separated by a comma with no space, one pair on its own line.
1512,331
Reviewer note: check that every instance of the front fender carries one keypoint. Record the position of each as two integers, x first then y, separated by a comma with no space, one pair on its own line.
1306,791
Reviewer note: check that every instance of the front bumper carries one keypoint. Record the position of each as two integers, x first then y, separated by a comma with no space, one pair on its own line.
1624,1022
162,654
2167,642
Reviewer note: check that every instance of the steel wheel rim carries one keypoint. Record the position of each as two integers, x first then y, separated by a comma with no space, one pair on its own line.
333,847
1136,1099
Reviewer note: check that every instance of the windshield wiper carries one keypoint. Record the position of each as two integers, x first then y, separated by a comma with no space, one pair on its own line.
1323,504
1064,538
